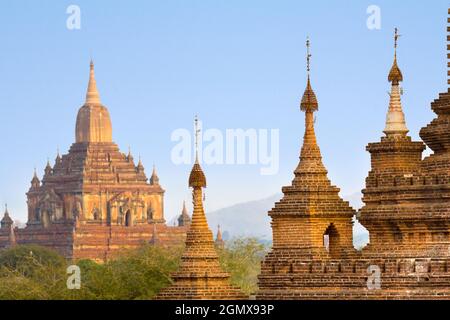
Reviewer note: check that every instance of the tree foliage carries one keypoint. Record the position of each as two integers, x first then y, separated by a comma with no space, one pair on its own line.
37,273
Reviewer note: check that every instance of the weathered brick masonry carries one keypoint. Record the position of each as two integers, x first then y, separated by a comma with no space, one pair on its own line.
407,212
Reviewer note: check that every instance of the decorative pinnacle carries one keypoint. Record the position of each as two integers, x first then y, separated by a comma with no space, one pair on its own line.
197,132
395,75
396,36
309,99
308,56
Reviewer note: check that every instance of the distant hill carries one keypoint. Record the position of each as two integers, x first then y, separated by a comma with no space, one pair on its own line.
250,219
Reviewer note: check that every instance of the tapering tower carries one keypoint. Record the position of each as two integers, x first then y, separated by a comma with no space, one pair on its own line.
395,168
184,219
311,224
200,276
220,243
95,200
7,230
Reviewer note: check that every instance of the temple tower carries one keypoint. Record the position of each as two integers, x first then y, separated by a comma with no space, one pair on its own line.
95,200
311,224
200,276
395,162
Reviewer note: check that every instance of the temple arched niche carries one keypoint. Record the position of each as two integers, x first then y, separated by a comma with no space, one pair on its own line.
331,241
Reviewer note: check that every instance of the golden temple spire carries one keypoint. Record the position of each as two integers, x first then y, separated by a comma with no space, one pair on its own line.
395,119
309,100
92,95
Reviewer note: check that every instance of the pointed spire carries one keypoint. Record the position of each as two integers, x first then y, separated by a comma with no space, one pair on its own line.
309,99
140,166
154,180
58,156
184,219
395,75
92,96
6,222
129,156
197,177
395,119
48,168
35,182
310,157
220,243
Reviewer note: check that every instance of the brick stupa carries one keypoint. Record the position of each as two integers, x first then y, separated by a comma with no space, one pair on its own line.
200,276
311,224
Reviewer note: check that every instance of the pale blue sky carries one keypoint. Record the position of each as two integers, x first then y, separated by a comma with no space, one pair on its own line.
237,64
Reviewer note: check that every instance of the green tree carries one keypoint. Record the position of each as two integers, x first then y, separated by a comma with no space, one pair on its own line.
242,258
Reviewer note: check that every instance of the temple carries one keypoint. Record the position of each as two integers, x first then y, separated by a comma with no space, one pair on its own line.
407,213
200,276
312,225
94,201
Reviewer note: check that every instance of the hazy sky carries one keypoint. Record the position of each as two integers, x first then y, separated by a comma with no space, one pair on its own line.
237,64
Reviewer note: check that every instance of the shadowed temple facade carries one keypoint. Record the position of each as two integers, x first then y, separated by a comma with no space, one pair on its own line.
406,211
95,200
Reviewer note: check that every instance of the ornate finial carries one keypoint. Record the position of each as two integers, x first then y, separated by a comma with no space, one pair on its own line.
197,177
6,208
396,36
309,100
197,133
308,56
395,75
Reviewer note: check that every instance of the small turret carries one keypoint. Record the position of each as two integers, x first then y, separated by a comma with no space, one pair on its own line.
140,167
48,169
35,182
184,219
6,222
219,239
154,180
